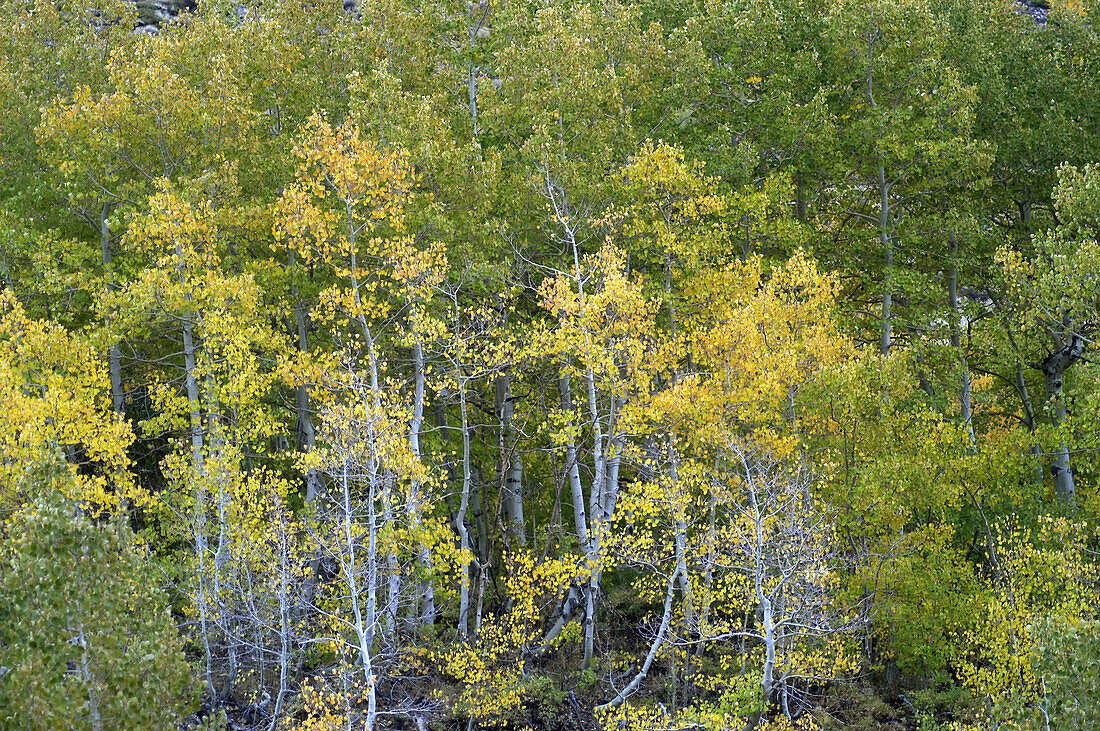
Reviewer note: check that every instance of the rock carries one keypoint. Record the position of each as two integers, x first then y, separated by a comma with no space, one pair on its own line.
156,12
1038,10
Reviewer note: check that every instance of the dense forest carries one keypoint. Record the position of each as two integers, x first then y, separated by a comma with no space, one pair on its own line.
555,364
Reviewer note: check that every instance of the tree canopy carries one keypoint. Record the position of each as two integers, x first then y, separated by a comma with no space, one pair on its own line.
569,364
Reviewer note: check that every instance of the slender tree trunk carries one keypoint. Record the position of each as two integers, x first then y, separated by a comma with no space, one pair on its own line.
201,601
482,584
189,364
307,441
198,466
482,537
1025,403
464,504
767,681
1025,398
596,499
654,647
572,467
568,608
965,406
572,475
708,571
364,625
585,537
374,409
89,680
511,466
426,599
303,407
221,556
114,358
284,620
885,233
763,597
676,499
472,88
475,23
1054,369
886,241
393,574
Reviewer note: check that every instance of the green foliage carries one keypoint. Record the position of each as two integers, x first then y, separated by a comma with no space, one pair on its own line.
937,709
1068,669
706,359
85,635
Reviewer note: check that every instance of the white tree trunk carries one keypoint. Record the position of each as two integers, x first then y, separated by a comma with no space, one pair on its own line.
426,599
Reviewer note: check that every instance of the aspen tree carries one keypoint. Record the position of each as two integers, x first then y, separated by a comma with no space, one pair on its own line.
86,638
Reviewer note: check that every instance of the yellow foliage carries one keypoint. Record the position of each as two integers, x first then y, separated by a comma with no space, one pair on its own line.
324,709
1037,574
53,394
490,669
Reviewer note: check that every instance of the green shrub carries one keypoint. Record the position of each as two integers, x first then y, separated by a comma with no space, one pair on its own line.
85,636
